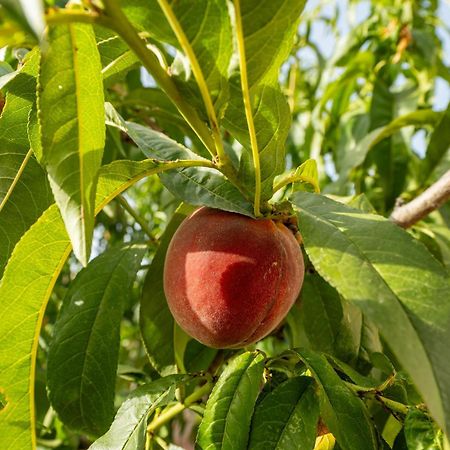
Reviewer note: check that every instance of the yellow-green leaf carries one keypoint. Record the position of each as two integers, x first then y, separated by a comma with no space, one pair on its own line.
72,121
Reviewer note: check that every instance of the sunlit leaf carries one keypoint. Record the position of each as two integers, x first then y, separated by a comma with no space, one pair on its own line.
72,121
24,190
25,289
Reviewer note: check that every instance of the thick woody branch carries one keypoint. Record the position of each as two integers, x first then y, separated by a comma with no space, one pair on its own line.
431,199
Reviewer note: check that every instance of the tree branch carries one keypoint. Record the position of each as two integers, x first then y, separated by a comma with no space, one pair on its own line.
431,199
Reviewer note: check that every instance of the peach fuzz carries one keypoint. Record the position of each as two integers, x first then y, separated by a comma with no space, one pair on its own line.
230,280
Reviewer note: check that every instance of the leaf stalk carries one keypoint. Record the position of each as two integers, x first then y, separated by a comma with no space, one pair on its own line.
248,107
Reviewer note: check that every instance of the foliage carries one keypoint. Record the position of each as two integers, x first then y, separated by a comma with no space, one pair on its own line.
233,105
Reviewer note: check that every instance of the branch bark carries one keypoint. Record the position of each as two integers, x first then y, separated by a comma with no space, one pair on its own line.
431,199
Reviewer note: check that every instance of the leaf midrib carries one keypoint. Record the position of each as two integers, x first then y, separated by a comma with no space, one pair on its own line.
74,52
378,275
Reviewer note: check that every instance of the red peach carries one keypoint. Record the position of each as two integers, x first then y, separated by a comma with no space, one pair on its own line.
230,280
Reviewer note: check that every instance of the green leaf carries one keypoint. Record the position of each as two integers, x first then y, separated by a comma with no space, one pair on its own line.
198,357
25,288
29,15
305,173
421,433
115,71
202,186
180,341
343,412
357,156
331,325
226,422
272,120
438,146
83,356
24,190
157,145
286,418
278,20
71,113
6,74
194,185
128,430
116,58
392,155
271,114
156,321
394,280
442,237
207,27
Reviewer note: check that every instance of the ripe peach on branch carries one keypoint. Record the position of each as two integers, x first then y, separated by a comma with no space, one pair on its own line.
229,279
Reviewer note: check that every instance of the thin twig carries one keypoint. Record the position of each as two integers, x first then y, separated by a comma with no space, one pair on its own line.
142,223
431,199
121,25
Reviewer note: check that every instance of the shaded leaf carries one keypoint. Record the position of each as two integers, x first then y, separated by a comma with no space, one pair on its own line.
71,114
271,113
207,27
343,412
331,325
226,421
194,185
272,120
116,69
357,156
438,146
198,357
83,356
287,417
393,279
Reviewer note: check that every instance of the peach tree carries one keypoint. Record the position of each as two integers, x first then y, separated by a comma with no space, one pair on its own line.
118,120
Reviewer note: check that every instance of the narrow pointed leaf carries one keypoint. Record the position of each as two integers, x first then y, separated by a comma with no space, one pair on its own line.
226,422
358,155
395,281
207,27
156,321
22,180
271,113
83,357
343,412
25,289
194,185
286,418
438,147
128,430
71,113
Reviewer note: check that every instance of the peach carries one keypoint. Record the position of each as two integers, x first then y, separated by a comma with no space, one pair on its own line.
230,280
